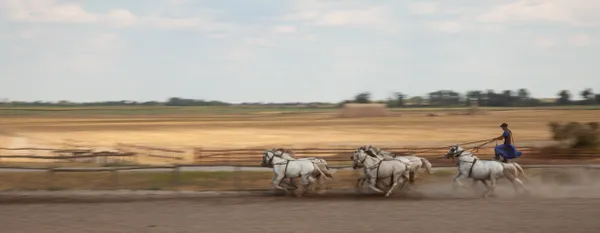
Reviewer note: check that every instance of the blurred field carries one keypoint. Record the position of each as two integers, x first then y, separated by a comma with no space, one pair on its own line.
191,180
276,128
240,180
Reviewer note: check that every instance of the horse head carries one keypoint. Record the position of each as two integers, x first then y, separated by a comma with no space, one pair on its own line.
267,158
454,151
358,157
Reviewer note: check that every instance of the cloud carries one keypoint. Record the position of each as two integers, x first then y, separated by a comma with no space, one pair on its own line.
339,14
546,42
46,11
103,42
259,41
95,53
176,2
580,40
423,8
446,26
284,29
122,18
309,45
574,13
52,11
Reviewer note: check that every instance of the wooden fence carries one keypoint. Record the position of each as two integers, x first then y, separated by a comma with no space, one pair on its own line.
153,152
125,152
249,156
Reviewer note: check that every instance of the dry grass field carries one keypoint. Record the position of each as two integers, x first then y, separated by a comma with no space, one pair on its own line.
291,129
185,129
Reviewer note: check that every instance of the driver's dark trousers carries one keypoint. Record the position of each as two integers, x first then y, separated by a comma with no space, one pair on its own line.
497,158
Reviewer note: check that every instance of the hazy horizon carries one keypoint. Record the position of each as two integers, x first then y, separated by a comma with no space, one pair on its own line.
293,50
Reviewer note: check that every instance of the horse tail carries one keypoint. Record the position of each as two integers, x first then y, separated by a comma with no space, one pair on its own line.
327,175
510,171
427,165
520,169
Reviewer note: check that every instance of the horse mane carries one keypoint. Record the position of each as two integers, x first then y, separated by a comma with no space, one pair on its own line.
371,153
283,150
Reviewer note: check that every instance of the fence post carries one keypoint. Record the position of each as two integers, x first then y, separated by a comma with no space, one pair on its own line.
236,177
175,175
50,178
197,154
115,177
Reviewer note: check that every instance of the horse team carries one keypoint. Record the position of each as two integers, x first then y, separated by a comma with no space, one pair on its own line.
384,171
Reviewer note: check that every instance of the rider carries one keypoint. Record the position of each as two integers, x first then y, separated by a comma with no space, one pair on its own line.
507,150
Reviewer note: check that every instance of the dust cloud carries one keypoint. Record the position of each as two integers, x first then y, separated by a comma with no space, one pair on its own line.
542,183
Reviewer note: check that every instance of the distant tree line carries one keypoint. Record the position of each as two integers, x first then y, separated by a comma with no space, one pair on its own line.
440,98
489,98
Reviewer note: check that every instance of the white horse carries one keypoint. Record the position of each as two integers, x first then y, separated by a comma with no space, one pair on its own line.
416,162
291,169
380,184
376,168
361,181
321,163
470,166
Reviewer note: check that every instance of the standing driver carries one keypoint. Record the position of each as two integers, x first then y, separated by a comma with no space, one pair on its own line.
507,150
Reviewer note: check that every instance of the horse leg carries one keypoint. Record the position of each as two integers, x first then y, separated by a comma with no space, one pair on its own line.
300,191
292,183
312,184
373,183
456,182
475,183
359,184
277,181
492,188
288,183
518,181
487,186
394,185
321,184
405,180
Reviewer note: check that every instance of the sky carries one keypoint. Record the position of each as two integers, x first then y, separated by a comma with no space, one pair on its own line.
293,50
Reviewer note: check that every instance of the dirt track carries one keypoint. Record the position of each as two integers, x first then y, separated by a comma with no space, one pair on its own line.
434,208
284,214
566,203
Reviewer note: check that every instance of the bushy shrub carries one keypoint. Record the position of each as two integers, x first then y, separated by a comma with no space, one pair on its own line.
576,134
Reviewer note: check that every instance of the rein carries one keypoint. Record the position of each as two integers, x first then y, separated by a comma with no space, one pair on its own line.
485,141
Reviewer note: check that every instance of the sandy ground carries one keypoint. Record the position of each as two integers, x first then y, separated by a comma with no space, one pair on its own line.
569,204
284,214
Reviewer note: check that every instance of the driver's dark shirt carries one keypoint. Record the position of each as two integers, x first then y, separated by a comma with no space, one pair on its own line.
507,137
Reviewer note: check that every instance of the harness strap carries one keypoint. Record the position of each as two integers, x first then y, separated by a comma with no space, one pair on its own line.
285,169
377,171
471,169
